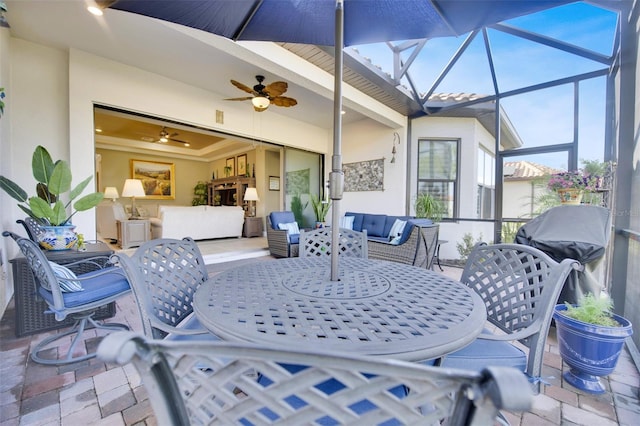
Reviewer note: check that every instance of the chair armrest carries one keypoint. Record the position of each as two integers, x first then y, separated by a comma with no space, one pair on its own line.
401,253
279,242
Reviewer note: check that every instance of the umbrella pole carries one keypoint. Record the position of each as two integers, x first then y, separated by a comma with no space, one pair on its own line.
336,177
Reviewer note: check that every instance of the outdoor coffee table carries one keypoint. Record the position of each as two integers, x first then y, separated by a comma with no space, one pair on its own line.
377,308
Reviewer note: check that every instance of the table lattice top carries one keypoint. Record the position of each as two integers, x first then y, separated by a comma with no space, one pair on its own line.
377,307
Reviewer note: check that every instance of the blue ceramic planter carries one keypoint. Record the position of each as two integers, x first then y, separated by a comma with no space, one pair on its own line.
590,350
58,237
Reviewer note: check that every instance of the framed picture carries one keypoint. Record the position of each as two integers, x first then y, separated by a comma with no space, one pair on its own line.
242,165
230,167
274,183
158,179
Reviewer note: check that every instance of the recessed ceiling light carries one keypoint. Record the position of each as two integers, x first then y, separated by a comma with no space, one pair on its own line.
187,144
95,10
98,130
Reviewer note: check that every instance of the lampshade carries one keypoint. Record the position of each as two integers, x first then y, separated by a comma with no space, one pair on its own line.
133,188
111,192
251,194
260,102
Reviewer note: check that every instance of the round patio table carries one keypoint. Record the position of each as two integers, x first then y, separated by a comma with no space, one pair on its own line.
376,308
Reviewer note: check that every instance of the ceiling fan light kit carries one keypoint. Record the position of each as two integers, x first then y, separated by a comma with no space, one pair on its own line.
260,102
263,96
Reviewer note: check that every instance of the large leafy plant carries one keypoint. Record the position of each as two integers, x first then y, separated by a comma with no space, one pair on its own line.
320,207
53,180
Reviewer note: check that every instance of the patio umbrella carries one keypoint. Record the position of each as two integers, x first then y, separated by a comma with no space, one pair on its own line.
336,23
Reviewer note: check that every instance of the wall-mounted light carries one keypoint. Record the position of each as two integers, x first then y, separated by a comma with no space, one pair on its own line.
396,140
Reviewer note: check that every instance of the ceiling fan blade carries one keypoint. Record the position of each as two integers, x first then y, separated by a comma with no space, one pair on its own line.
283,101
243,87
247,98
276,88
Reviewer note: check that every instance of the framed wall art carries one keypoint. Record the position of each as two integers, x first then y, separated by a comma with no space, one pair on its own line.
230,167
158,179
242,165
274,183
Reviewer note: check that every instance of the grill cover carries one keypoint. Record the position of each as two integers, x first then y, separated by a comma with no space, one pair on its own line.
577,232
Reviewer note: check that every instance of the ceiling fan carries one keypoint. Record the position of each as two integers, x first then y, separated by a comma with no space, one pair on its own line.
263,95
165,136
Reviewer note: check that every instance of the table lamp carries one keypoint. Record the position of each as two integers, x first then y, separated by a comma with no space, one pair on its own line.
111,192
251,195
133,188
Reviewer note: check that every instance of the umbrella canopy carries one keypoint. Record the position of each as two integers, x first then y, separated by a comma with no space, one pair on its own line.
312,21
336,23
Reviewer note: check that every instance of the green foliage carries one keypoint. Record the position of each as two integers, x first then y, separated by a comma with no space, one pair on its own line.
320,207
200,194
54,179
227,171
593,310
297,207
427,206
464,248
509,231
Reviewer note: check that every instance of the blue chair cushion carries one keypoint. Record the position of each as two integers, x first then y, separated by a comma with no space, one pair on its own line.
483,353
277,218
328,387
97,286
294,238
374,224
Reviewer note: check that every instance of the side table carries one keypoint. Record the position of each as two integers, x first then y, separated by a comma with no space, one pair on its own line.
252,227
30,317
132,233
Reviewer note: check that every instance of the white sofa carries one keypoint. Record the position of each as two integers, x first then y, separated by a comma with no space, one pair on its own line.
197,222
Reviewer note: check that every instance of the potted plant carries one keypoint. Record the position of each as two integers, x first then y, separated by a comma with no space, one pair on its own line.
320,208
591,338
47,208
200,194
571,185
427,206
227,171
297,207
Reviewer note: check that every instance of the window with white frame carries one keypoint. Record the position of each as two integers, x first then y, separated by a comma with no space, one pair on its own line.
438,172
486,184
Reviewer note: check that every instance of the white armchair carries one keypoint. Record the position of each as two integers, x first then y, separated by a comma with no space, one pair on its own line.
107,214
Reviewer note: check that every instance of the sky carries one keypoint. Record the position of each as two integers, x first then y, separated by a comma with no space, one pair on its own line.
543,117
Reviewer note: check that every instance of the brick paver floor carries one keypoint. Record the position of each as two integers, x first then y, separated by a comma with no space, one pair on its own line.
93,393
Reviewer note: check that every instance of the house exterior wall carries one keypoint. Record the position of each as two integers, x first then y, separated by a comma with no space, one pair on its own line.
472,135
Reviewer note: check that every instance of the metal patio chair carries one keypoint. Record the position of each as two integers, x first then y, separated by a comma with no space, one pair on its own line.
317,242
164,275
32,227
214,383
78,297
519,285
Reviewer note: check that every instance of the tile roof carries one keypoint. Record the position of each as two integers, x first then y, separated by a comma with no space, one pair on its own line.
526,170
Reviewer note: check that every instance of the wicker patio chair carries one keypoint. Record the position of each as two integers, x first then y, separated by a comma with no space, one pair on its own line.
164,275
215,383
281,244
103,285
317,242
519,285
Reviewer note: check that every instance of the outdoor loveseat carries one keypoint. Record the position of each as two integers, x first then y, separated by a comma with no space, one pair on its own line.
415,244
